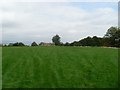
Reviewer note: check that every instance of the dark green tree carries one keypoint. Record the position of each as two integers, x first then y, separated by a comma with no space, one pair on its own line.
96,41
86,41
67,44
21,44
75,43
112,37
34,44
111,32
16,44
117,38
56,40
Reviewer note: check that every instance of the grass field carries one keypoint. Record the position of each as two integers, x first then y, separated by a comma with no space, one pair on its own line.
59,67
0,67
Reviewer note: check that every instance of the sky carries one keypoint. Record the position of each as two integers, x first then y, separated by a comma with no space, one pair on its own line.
39,21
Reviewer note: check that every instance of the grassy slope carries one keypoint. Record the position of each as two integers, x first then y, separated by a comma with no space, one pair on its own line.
39,67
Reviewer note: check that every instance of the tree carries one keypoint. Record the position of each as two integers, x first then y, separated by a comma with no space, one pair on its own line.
111,32
75,43
86,41
96,41
16,44
56,40
21,44
41,43
113,36
117,38
34,44
67,44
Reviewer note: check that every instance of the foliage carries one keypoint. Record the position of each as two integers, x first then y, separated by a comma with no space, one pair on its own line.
16,44
111,32
67,44
56,39
94,41
34,44
110,39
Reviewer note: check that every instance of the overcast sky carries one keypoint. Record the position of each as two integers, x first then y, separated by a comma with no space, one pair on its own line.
40,21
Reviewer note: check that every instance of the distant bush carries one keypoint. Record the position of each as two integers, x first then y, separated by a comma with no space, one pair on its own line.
16,44
34,44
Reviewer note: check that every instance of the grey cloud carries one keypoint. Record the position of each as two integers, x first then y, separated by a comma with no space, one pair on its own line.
37,22
9,24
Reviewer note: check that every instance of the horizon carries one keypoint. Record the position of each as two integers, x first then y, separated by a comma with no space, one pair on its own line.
43,41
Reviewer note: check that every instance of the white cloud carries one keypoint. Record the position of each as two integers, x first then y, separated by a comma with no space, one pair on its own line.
29,22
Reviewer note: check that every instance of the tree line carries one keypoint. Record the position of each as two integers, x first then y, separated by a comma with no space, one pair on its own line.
110,39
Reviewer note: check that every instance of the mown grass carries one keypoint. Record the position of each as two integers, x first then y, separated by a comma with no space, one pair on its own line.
0,67
59,67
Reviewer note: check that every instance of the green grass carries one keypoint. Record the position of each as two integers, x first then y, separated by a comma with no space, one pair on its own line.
59,67
0,67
